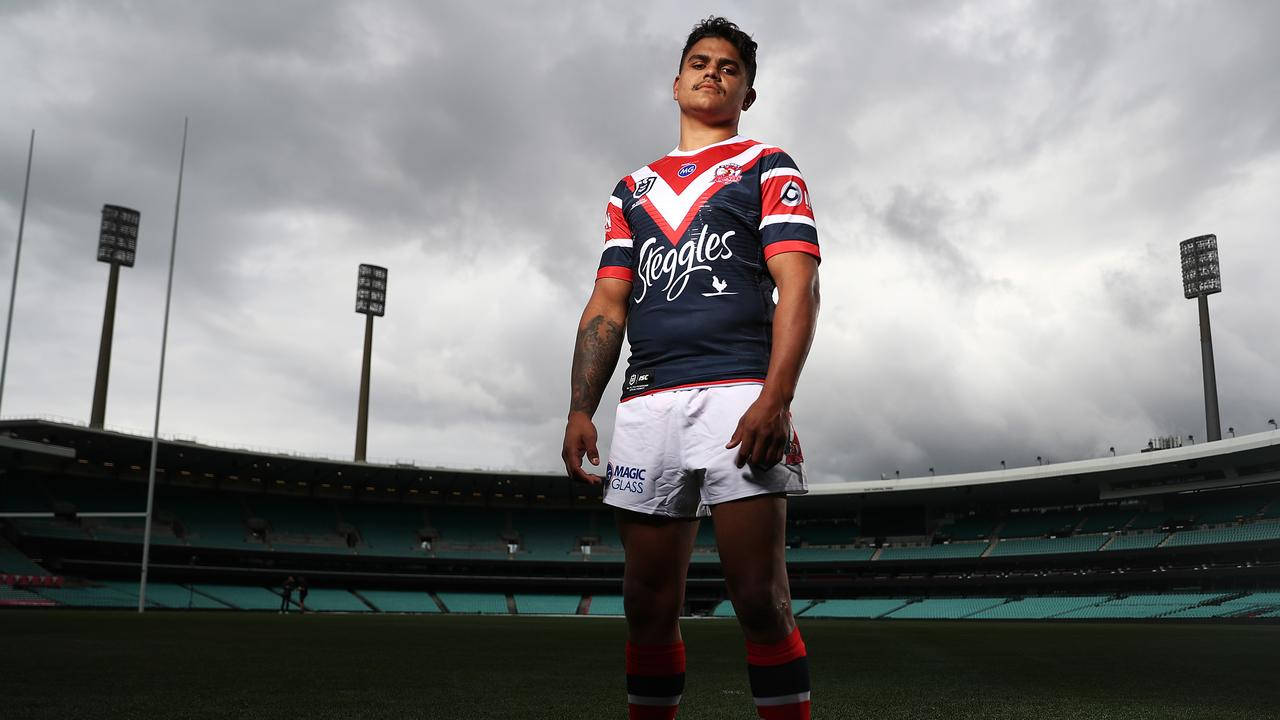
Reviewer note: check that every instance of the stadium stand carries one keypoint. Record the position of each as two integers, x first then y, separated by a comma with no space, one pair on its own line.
332,600
1039,524
856,608
14,562
949,608
19,597
1037,608
1142,605
242,597
1244,605
1135,541
1261,530
605,605
958,549
550,534
528,604
829,554
387,530
484,603
1105,520
967,528
1045,546
825,534
401,601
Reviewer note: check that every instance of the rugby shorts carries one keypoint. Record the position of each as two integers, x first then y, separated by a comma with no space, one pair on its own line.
668,455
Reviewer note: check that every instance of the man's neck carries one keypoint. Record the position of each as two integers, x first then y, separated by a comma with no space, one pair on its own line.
695,135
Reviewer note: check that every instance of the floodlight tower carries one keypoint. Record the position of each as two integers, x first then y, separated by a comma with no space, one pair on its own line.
117,245
1200,279
371,300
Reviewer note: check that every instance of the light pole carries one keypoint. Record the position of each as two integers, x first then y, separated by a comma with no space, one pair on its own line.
1201,277
117,245
371,300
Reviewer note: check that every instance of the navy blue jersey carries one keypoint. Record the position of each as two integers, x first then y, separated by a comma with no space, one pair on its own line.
692,233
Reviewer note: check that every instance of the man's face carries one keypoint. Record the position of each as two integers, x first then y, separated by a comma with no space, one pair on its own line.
712,84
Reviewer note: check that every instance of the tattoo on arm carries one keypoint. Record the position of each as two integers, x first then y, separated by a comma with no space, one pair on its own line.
594,357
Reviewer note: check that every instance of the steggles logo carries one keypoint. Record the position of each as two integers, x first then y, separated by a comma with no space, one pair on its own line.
670,267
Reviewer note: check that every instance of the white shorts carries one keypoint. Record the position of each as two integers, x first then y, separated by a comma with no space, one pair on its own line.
668,455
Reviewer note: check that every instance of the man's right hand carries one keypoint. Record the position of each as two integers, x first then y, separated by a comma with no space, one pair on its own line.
580,438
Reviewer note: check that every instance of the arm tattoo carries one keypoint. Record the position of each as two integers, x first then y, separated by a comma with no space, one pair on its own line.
594,357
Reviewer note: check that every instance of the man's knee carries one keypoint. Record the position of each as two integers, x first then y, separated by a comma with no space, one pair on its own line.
763,607
650,605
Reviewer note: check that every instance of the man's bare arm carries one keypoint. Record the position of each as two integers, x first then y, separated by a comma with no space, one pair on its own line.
762,433
595,355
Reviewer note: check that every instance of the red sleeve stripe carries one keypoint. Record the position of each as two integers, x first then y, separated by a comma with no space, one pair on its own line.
785,246
613,271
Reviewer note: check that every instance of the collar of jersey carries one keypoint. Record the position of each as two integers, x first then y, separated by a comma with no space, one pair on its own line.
686,153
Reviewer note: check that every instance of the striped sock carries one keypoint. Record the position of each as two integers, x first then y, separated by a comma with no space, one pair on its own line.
655,680
779,675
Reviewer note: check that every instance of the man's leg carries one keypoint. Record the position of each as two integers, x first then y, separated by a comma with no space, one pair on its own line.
751,537
657,561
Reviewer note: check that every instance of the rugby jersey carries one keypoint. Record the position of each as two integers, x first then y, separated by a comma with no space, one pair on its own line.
692,232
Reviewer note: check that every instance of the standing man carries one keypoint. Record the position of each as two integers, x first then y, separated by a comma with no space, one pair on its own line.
696,244
287,595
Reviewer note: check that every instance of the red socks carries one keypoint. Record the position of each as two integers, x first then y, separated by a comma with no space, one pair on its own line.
655,680
779,675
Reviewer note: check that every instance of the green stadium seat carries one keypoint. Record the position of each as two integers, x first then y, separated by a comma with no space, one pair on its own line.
957,549
531,604
851,608
605,605
1136,541
1046,546
949,608
484,603
402,601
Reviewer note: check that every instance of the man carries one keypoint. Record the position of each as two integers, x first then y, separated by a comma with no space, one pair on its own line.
695,244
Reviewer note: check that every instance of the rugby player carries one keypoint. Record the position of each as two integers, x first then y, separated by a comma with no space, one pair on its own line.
696,243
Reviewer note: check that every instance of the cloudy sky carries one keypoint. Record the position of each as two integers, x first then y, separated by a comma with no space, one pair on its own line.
1000,190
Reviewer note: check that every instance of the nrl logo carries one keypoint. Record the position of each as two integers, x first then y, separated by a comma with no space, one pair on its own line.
643,186
728,173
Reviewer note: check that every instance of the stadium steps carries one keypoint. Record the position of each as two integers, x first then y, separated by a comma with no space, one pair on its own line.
1165,540
1106,599
439,603
196,589
876,554
364,600
1108,542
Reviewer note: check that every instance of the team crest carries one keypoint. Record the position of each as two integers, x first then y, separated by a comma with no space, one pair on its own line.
728,173
794,455
644,186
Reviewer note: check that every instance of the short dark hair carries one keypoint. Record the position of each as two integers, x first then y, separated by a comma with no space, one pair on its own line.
716,26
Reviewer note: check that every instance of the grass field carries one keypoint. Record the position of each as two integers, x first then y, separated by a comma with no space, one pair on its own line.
72,664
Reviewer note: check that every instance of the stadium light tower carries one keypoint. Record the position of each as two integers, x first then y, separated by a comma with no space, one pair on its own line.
1201,278
371,300
117,245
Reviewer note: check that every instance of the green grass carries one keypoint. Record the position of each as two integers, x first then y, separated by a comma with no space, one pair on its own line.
65,664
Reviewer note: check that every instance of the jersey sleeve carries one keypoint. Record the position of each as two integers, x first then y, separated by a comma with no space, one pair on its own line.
786,217
615,259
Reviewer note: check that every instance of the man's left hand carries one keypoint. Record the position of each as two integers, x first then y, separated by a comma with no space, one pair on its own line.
762,434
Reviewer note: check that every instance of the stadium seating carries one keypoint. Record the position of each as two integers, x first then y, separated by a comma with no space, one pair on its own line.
1227,511
332,600
1105,520
967,528
1253,531
243,597
1044,546
13,561
95,596
529,604
950,608
1247,605
605,605
856,608
550,534
1037,608
1136,541
403,601
51,528
826,534
485,603
19,597
1142,605
829,554
1039,524
130,530
386,530
211,521
959,549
